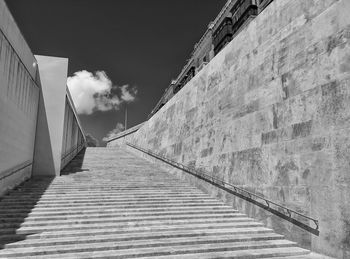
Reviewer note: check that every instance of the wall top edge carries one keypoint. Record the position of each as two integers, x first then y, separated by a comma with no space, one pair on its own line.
71,103
127,132
16,39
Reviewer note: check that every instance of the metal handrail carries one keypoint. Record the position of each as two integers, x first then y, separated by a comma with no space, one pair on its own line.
72,150
252,197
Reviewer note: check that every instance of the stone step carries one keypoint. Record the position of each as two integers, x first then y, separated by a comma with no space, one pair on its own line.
309,256
97,206
283,252
134,185
6,233
219,237
124,207
106,201
97,192
102,194
170,199
75,191
106,186
221,229
128,187
110,248
200,207
254,228
5,205
111,218
103,190
109,214
52,212
88,221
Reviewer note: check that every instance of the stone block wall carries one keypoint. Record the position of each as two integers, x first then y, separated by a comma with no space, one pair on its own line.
271,113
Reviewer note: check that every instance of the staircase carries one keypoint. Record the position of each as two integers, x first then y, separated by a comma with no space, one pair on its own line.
111,204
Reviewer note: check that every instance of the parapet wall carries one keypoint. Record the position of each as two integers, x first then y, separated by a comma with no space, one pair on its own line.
271,113
120,139
19,97
15,38
73,140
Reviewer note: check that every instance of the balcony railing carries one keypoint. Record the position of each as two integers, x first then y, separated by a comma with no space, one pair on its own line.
202,66
177,88
263,4
241,11
271,206
222,35
185,79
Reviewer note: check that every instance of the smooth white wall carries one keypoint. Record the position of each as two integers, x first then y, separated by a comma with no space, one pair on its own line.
19,95
49,135
13,34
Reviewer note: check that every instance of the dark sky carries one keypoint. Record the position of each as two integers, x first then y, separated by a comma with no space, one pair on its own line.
143,43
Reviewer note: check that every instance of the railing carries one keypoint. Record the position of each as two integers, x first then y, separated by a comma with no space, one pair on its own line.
222,35
273,207
72,150
202,66
242,13
263,4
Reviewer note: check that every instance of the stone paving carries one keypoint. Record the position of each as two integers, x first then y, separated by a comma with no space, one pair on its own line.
111,204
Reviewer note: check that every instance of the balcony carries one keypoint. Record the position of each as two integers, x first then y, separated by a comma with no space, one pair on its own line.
201,66
242,11
185,79
222,35
263,4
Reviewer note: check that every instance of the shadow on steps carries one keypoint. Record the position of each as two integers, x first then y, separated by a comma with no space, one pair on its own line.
75,166
16,206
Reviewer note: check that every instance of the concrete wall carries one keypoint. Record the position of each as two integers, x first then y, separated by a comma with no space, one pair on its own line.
49,134
59,135
19,95
15,38
73,135
271,113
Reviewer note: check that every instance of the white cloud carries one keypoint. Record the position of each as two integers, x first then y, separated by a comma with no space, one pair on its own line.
118,128
95,92
128,94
